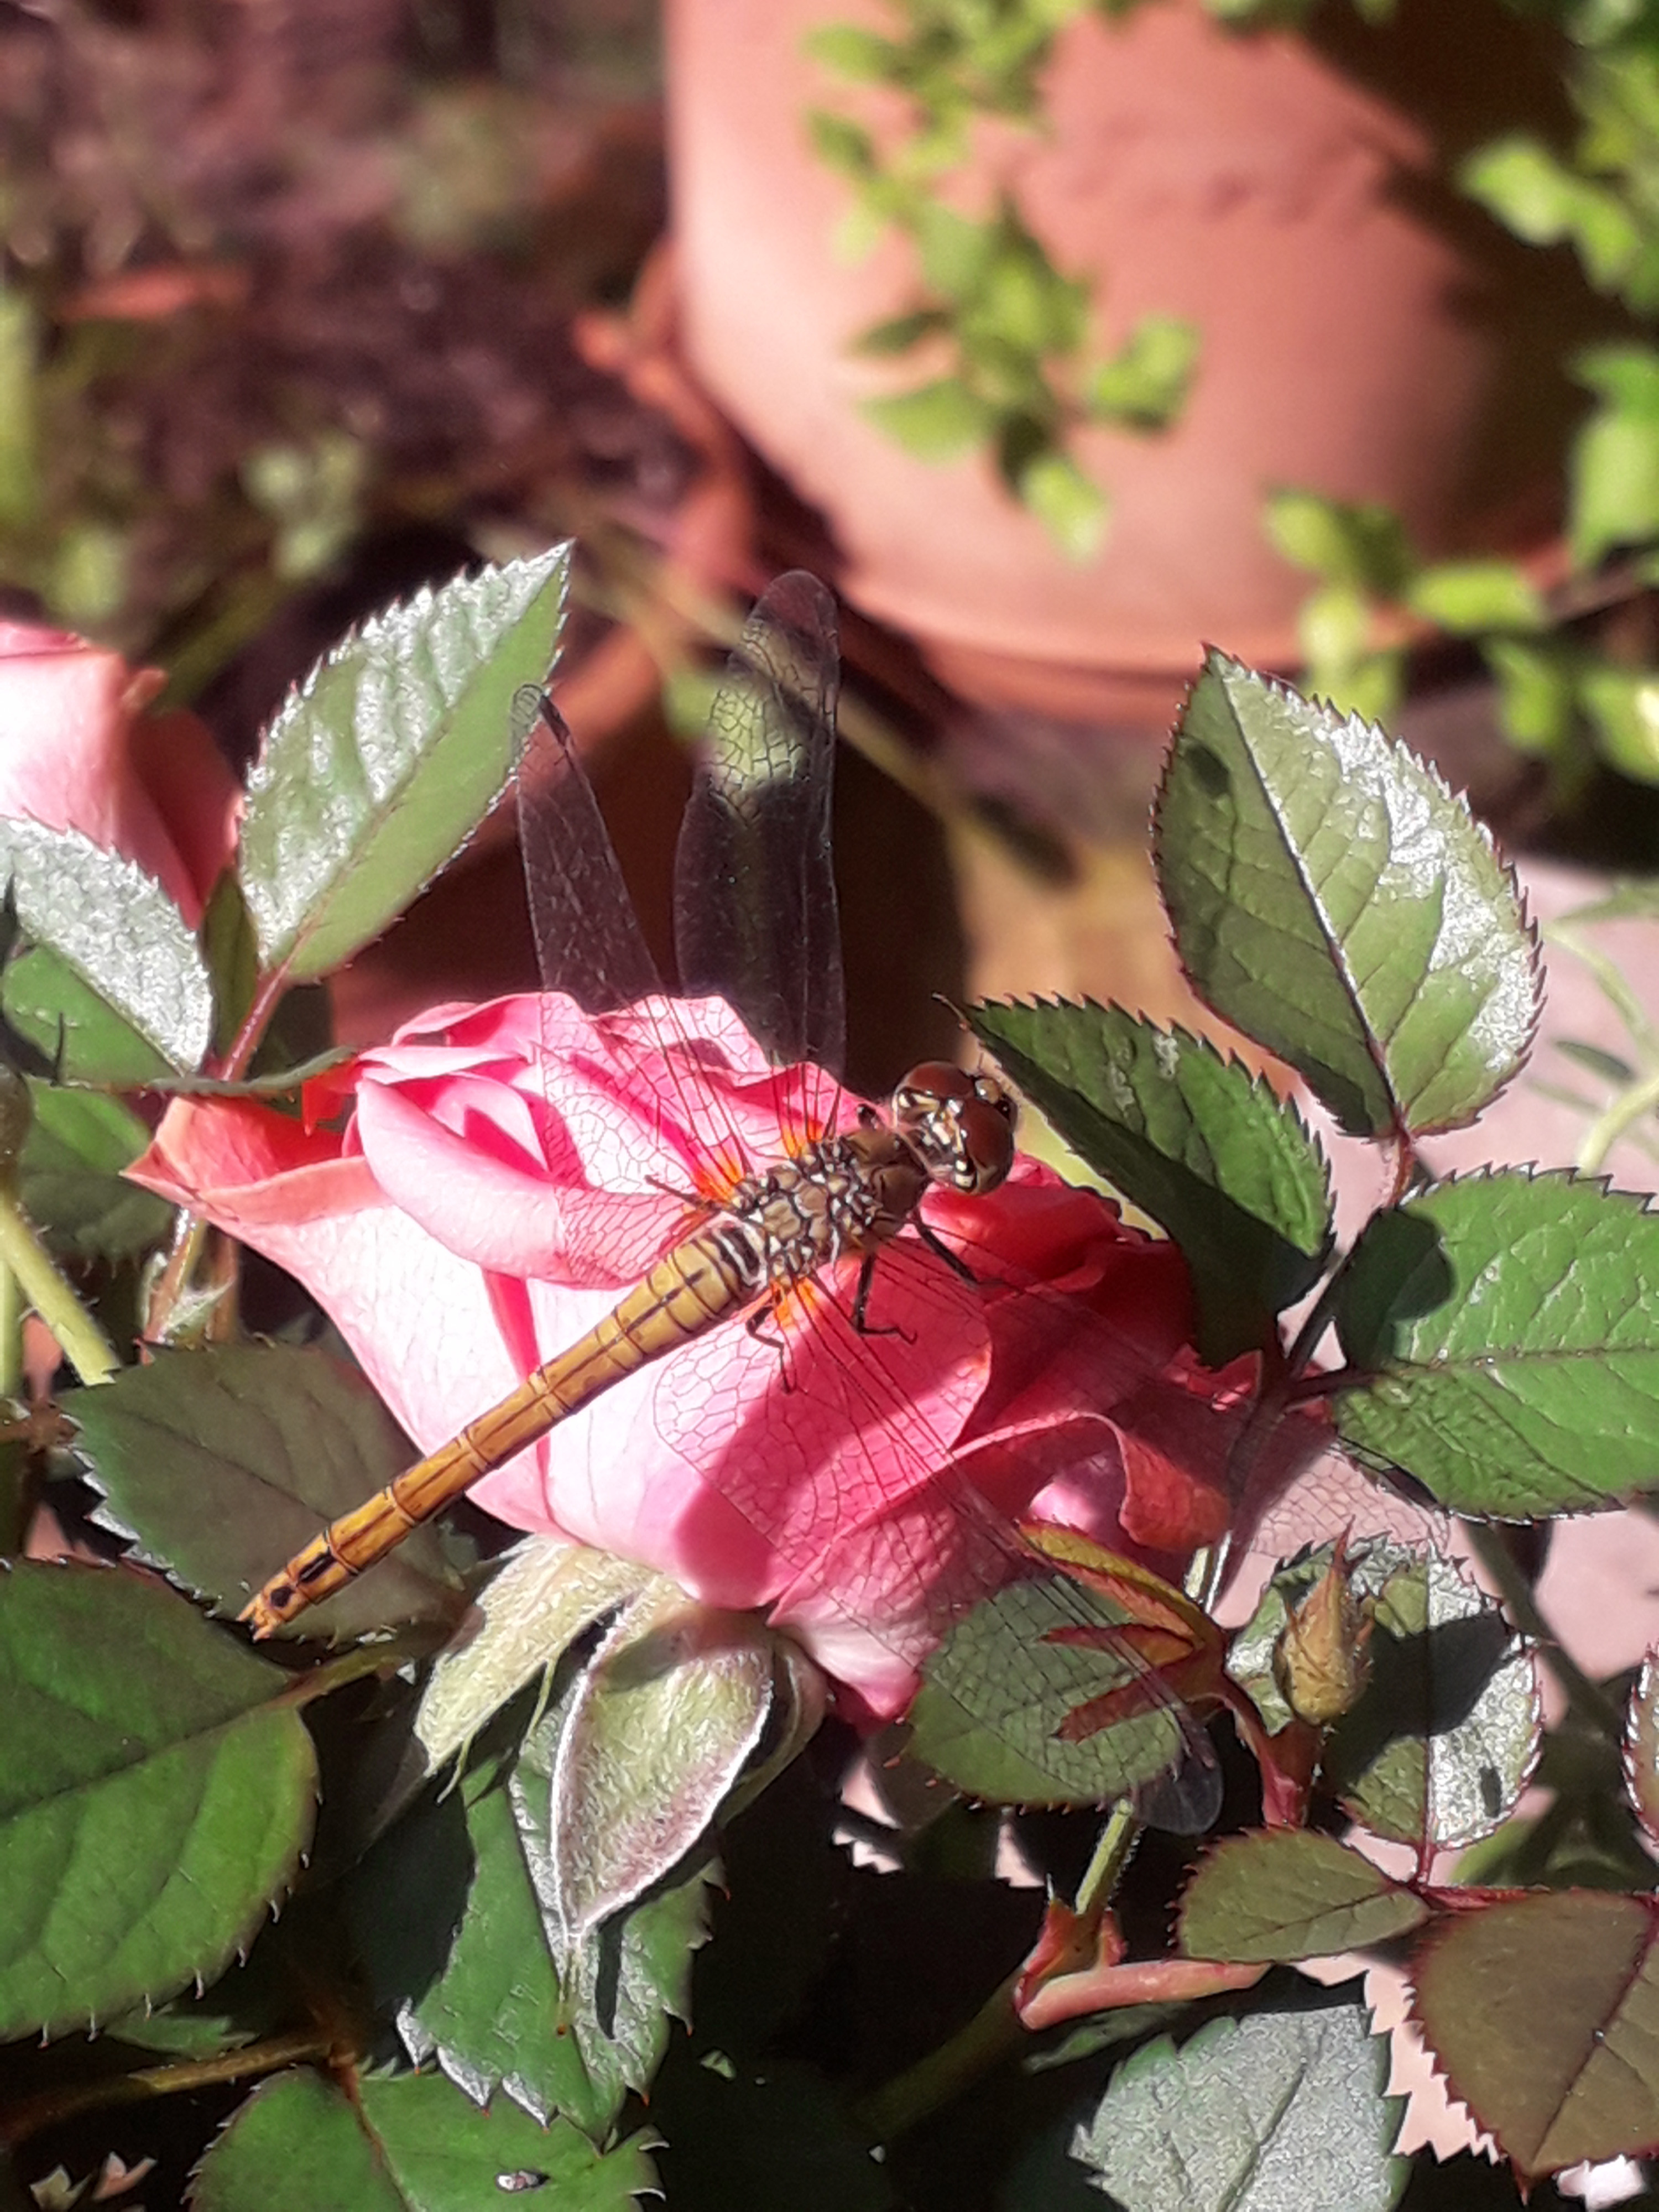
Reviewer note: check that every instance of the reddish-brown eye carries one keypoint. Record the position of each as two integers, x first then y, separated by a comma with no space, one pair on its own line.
939,1079
987,1141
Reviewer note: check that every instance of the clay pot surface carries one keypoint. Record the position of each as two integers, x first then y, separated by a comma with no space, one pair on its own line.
1350,342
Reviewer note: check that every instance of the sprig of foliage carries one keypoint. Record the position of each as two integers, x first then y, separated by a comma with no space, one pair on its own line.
1003,331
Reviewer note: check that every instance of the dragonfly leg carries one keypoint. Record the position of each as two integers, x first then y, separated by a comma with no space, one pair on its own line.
757,1326
941,1251
862,1322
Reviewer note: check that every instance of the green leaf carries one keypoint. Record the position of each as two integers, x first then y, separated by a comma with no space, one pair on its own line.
545,1594
232,955
1361,546
157,1788
377,769
1543,201
70,1180
899,333
501,2000
1272,2113
1614,469
1543,2014
1193,1140
1333,900
126,982
662,1721
1286,1893
410,2144
938,421
853,52
1146,383
995,1694
1466,597
841,143
1446,1734
956,252
1622,705
1535,692
1071,506
221,1464
1510,1322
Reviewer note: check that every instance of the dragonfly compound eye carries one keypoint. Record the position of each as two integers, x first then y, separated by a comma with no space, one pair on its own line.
960,1126
987,1141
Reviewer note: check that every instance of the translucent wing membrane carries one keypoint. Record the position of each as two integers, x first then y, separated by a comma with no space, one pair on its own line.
589,945
754,918
588,941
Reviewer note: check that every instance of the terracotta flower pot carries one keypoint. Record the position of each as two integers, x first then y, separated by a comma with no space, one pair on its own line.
1356,334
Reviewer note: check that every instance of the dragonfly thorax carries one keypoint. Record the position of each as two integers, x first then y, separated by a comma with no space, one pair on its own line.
960,1127
848,1194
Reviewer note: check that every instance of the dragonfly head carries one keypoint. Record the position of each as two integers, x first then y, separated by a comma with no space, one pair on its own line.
960,1127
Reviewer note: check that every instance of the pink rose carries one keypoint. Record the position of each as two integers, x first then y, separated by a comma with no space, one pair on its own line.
77,751
495,1187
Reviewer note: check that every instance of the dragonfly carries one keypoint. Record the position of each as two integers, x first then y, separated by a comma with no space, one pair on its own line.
802,1239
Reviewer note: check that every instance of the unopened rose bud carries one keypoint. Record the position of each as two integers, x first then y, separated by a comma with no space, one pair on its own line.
1320,1663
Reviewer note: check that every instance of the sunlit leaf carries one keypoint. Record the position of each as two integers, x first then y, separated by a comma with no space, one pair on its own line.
1146,381
116,979
155,1795
938,421
1615,459
1333,900
1511,1323
1543,2014
543,1597
1286,1893
1276,2113
1069,503
1192,1139
221,1464
1466,597
661,1723
1360,545
379,767
410,2144
1444,1738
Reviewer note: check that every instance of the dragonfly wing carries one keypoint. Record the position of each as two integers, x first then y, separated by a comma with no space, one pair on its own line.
755,917
588,941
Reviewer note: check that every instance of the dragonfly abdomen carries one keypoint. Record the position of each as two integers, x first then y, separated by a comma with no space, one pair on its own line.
702,1282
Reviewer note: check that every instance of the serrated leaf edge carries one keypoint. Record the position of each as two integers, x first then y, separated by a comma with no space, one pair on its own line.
1218,661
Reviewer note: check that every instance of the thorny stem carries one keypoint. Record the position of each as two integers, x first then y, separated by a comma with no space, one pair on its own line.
83,1343
1105,1869
52,2106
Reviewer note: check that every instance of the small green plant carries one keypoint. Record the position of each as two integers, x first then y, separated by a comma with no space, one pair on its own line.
1008,335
